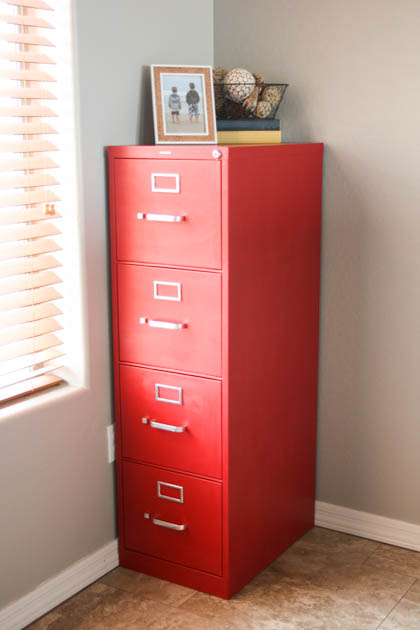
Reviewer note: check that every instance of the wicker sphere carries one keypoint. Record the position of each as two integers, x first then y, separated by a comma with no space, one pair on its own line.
263,109
218,90
258,78
220,105
271,94
219,74
239,84
234,110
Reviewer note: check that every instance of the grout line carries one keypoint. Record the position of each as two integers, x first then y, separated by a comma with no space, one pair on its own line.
398,602
118,588
398,571
148,596
203,616
370,555
187,599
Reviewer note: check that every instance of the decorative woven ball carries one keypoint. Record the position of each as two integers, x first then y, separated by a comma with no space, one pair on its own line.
218,90
219,74
271,94
258,78
219,102
263,109
234,110
239,84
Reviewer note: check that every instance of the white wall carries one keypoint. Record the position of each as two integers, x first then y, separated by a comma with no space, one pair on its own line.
354,74
56,488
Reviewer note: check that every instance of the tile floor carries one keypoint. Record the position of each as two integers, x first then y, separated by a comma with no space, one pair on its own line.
325,581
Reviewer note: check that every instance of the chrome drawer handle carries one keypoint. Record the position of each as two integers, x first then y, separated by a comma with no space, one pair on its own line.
167,427
165,218
178,528
164,427
153,323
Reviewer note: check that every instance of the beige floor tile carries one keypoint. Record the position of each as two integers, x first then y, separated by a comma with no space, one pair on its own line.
46,622
346,596
292,607
327,540
396,559
240,612
147,586
414,593
127,611
178,619
100,607
299,561
70,613
351,596
405,616
377,589
124,579
326,581
331,614
121,610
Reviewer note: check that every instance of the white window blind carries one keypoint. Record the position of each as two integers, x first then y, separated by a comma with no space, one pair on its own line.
29,220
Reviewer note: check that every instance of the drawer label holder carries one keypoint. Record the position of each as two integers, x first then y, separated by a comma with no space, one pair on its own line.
171,298
156,188
168,497
172,401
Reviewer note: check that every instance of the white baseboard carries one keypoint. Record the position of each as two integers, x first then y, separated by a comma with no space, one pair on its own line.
59,588
386,530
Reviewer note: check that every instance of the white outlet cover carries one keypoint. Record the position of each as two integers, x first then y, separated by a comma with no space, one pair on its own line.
111,443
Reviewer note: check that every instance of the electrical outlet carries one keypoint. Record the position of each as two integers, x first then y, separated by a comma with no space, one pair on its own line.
110,431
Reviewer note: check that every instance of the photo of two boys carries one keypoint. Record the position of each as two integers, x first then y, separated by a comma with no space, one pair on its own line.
183,104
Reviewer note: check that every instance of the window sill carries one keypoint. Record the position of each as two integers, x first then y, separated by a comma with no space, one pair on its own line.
35,402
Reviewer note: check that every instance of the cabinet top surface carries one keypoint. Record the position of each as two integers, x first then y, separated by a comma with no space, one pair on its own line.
207,152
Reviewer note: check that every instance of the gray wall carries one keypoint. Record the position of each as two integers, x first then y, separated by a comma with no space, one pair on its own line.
354,74
56,488
354,70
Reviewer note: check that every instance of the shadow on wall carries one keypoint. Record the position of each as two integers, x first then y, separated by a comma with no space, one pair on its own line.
350,234
299,123
145,133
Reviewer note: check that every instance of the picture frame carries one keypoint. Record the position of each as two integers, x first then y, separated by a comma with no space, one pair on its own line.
183,104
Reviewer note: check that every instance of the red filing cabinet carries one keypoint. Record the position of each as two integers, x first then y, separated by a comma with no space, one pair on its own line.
215,256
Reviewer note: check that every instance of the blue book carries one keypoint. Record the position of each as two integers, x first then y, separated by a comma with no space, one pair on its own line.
248,124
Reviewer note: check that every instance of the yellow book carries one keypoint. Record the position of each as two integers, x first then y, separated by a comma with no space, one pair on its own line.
249,136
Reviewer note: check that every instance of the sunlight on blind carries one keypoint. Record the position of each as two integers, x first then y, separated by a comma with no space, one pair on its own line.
30,342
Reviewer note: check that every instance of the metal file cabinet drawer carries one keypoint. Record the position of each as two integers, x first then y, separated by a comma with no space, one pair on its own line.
168,212
170,318
171,420
173,517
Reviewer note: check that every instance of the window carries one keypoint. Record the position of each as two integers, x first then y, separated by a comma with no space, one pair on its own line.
31,347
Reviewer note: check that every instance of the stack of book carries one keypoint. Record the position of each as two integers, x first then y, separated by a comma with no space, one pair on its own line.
249,131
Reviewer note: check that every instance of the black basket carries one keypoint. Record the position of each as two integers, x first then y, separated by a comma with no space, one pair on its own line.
269,94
